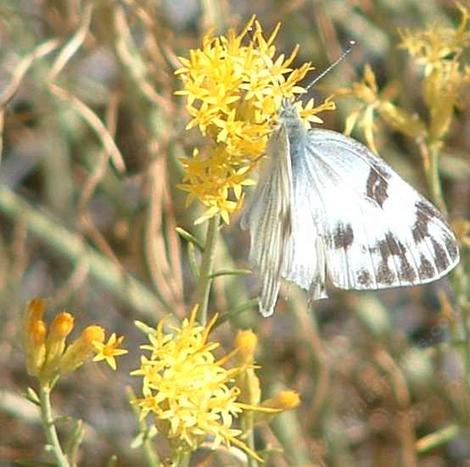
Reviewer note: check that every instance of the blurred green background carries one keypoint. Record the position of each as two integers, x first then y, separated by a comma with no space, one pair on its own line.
91,133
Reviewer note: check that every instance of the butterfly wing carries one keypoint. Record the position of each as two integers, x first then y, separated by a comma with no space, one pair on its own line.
269,219
376,231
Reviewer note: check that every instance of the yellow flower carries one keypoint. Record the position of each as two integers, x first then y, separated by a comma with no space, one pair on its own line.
438,50
81,350
233,92
107,351
210,180
373,102
437,43
47,354
283,400
189,392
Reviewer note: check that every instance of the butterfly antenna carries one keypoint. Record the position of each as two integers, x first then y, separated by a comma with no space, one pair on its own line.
346,52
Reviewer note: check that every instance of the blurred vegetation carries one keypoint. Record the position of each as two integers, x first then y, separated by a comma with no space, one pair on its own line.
91,137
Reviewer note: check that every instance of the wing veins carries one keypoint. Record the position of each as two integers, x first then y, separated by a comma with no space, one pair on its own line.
371,262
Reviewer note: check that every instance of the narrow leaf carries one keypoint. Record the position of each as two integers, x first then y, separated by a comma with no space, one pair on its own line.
231,272
190,238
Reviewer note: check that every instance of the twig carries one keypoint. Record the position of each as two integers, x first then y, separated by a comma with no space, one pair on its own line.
402,398
95,123
49,426
22,68
205,281
73,44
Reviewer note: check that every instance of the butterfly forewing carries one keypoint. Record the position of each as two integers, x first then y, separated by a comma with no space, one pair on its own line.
269,219
377,230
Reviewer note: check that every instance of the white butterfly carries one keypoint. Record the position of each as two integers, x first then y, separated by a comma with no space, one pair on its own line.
326,206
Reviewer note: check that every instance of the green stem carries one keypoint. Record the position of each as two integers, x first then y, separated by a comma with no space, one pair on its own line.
248,429
433,179
205,272
466,331
180,458
150,453
458,277
49,427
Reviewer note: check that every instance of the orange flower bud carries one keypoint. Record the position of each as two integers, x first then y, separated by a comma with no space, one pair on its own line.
59,329
246,342
35,347
283,400
81,350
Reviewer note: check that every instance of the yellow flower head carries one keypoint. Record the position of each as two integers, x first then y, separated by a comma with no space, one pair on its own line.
438,43
373,102
189,392
109,350
438,50
48,355
234,86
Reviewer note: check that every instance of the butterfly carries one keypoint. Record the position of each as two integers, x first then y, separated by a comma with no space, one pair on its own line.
325,206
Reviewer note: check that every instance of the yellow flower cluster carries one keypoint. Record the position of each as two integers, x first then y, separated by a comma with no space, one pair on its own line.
439,49
437,44
187,390
233,93
372,102
48,356
192,395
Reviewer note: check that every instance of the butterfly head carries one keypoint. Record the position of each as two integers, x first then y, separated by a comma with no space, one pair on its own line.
288,112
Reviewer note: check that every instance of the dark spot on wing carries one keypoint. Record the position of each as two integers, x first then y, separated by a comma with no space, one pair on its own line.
383,249
385,274
440,256
428,209
363,278
420,229
395,246
392,246
452,248
407,273
377,185
426,269
424,213
343,236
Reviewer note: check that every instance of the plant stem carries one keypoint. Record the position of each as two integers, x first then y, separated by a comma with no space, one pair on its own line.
205,272
180,458
150,453
49,427
458,278
247,428
432,174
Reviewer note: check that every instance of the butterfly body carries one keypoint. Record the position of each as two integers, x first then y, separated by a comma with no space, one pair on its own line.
326,206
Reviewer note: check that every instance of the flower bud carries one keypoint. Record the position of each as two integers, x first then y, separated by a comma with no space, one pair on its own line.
81,350
59,329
